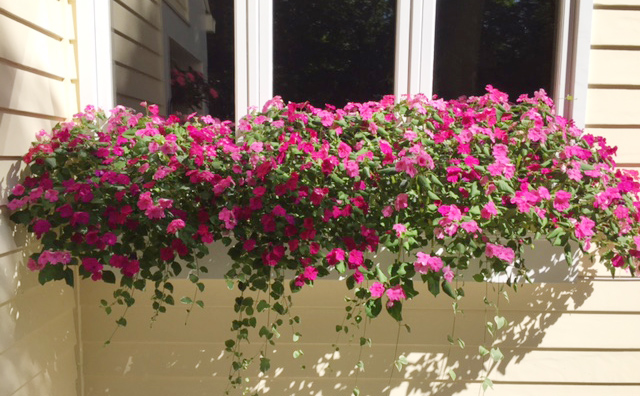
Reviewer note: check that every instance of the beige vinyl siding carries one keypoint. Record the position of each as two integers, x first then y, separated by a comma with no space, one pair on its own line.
564,338
138,52
614,81
38,337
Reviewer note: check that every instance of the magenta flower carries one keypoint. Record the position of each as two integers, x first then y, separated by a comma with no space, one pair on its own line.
18,190
502,252
426,263
489,210
377,290
334,256
356,259
561,202
175,225
387,211
584,229
229,218
396,293
402,201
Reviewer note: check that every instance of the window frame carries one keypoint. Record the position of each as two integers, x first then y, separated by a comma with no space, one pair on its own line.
414,57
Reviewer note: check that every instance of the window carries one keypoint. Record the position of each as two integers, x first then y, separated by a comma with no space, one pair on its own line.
421,65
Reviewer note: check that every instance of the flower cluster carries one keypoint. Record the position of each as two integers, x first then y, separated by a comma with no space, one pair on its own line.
448,186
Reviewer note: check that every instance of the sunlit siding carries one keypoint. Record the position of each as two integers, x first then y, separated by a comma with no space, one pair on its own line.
614,81
38,342
138,52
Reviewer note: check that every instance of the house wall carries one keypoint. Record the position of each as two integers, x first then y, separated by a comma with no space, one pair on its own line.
38,88
565,338
138,52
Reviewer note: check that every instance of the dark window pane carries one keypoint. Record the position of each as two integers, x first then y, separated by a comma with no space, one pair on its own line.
221,60
507,43
333,51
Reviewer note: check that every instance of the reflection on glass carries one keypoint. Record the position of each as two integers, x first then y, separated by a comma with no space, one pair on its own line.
333,51
220,60
506,43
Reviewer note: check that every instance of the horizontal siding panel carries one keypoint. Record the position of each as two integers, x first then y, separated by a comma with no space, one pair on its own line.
613,106
615,27
552,314
149,11
29,92
614,67
128,25
343,386
10,170
39,354
30,48
46,14
569,366
133,84
618,2
627,140
28,312
139,58
63,383
18,131
14,274
8,240
200,361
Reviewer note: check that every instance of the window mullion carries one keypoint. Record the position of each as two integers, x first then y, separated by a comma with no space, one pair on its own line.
403,24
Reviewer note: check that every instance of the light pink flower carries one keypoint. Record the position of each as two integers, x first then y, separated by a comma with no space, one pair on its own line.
400,229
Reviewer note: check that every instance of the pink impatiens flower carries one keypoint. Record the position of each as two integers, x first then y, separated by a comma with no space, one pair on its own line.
402,201
561,202
489,210
175,225
400,229
377,290
502,252
426,263
228,217
396,293
584,229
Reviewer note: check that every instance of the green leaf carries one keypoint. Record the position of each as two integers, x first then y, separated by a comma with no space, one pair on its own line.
487,383
482,350
296,337
51,161
297,353
356,391
500,321
461,343
108,277
262,305
496,354
186,300
373,307
452,374
395,310
265,364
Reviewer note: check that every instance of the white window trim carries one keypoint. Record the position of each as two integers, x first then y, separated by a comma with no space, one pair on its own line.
253,32
95,59
414,57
